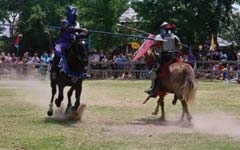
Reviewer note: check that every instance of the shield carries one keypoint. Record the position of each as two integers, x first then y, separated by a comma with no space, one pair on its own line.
144,47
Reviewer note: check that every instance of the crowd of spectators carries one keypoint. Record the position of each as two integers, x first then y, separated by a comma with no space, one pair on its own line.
219,64
117,63
11,58
27,65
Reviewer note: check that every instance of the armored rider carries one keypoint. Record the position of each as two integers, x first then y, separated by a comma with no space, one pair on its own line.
68,31
165,48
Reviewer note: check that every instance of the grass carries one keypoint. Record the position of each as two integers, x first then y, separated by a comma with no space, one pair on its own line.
25,126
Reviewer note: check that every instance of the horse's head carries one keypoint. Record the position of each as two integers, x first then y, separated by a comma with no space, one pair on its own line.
78,54
149,58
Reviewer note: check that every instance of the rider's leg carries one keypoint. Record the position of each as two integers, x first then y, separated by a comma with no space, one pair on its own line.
153,77
56,59
153,92
54,67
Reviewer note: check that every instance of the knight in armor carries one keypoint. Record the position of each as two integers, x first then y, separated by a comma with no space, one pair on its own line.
68,31
165,48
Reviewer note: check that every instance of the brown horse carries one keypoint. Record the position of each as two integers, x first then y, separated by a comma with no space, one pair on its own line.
180,80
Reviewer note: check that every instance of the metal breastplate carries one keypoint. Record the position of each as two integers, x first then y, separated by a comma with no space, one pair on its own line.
169,44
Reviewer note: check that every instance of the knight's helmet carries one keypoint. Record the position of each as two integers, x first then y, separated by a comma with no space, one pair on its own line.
163,28
164,24
71,14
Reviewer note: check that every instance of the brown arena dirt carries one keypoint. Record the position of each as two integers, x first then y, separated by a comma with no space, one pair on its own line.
216,123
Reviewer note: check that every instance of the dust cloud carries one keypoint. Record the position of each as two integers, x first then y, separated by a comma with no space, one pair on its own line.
215,123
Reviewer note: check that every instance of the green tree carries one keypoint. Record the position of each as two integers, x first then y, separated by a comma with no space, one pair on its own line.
196,20
232,31
102,15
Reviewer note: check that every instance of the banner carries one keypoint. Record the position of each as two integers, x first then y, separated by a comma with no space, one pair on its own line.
135,45
17,41
213,45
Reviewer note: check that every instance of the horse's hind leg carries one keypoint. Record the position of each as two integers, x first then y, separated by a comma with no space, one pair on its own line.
185,110
60,96
54,90
175,99
162,118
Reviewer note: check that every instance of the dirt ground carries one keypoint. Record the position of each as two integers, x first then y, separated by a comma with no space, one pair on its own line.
216,123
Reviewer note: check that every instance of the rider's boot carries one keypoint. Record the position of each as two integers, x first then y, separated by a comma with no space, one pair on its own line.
86,75
149,90
153,77
153,92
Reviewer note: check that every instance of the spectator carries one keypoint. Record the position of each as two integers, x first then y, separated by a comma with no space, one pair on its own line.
35,59
14,58
44,58
2,57
223,57
95,58
8,59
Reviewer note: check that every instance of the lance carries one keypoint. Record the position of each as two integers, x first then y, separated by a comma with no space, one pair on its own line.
144,32
110,33
134,29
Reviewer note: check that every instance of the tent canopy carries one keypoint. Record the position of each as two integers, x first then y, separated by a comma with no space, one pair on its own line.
222,42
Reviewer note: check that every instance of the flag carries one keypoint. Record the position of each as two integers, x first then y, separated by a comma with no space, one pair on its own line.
144,47
213,45
135,45
17,41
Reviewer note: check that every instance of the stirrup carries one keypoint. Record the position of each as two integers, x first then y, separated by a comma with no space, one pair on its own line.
153,94
87,75
148,91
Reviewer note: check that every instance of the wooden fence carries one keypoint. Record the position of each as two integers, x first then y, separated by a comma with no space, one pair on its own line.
228,70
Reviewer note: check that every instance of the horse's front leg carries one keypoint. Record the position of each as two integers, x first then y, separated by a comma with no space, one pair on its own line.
54,90
157,107
78,92
69,94
60,96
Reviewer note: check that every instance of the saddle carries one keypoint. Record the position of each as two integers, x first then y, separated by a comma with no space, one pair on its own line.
168,58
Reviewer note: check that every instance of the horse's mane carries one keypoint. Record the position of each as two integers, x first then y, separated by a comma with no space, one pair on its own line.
149,58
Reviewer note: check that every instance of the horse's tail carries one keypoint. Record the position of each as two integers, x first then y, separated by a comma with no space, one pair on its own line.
189,87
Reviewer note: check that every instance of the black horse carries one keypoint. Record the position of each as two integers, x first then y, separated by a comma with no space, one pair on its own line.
76,62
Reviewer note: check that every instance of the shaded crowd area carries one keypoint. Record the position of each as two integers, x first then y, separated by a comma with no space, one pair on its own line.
222,64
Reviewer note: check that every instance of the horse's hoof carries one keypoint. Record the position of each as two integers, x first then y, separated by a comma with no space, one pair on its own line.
58,104
74,109
174,102
154,113
162,119
68,109
49,113
189,118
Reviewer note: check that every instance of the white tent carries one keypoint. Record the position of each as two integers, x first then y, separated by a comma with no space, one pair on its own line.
129,16
5,28
222,42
